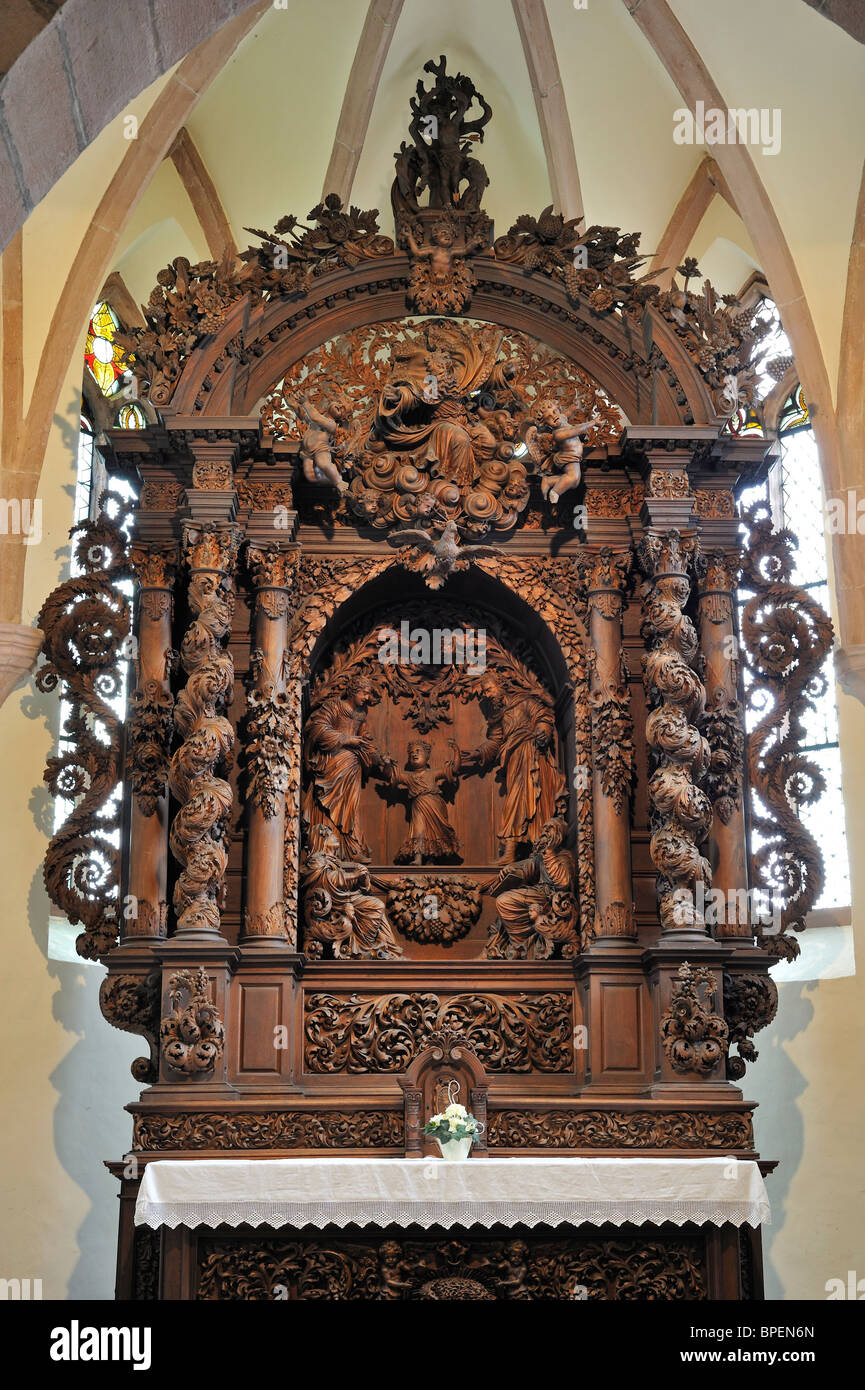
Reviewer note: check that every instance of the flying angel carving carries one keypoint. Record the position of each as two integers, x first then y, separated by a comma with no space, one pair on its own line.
437,558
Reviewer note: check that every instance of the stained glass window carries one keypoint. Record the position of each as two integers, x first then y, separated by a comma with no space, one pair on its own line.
105,358
794,492
131,417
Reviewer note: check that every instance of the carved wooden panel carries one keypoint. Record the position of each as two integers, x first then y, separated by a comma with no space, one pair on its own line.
665,1265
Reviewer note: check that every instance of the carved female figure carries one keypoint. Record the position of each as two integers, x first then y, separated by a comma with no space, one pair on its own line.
338,907
337,753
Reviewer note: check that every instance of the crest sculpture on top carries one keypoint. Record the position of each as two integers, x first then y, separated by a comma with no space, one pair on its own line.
440,236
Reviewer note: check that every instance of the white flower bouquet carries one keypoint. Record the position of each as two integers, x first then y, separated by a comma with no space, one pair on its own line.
454,1131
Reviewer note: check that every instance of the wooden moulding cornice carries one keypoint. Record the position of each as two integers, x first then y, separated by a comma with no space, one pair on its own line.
279,333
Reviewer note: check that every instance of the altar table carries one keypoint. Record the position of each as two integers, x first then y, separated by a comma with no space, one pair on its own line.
384,1192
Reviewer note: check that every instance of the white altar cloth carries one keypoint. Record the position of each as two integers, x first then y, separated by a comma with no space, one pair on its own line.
378,1191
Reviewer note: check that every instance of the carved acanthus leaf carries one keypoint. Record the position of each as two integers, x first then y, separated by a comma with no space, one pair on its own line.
131,1003
750,1003
86,624
787,637
383,1033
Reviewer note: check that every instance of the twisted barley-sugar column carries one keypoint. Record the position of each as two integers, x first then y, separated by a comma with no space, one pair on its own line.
724,727
603,580
269,731
681,812
207,737
149,738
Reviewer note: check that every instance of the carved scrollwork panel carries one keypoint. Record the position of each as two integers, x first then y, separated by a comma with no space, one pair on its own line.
613,1268
787,637
86,623
384,1032
269,1129
612,1129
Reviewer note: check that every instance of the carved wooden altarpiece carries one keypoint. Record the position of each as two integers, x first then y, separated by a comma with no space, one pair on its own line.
435,722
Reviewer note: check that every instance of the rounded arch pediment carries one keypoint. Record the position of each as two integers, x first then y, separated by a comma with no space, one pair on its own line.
643,368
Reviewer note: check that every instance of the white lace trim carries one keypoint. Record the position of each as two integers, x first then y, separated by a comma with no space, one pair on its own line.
641,1211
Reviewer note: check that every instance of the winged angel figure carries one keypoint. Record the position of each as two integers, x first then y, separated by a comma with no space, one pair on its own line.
437,558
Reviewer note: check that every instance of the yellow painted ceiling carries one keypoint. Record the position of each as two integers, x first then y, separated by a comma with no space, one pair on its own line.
266,125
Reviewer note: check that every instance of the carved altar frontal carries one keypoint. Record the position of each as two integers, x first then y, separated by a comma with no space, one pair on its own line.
435,715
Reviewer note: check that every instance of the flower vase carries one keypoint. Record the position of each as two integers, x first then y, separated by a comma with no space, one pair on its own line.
455,1148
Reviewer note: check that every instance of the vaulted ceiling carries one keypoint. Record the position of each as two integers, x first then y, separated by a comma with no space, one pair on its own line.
283,101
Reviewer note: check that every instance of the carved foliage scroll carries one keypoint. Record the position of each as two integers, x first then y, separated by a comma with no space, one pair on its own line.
723,722
614,1129
383,1033
86,622
750,1003
131,1003
693,1036
192,1035
207,736
786,637
269,1129
603,577
562,1267
681,812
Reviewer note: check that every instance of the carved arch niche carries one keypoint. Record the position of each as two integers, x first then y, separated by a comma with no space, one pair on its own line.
460,764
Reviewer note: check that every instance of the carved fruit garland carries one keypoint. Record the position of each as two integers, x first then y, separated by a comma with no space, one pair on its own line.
694,1037
681,812
208,737
192,1036
86,623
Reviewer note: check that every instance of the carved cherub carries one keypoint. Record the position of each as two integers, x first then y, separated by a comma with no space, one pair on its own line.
318,445
567,448
436,559
393,1270
513,1269
431,838
441,281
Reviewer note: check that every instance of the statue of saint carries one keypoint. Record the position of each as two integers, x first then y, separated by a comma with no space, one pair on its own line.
541,912
338,909
521,740
337,755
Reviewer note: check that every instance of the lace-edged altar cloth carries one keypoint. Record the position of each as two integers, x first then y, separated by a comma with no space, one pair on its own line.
376,1191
